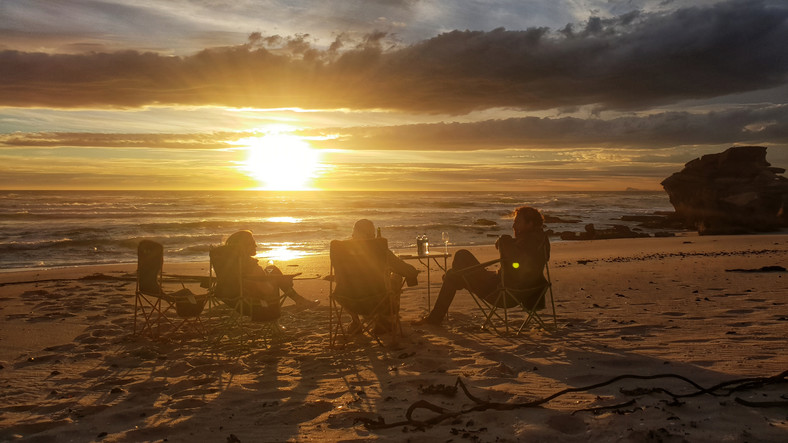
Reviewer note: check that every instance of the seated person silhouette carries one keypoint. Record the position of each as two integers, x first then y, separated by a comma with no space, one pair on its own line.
527,252
244,247
365,230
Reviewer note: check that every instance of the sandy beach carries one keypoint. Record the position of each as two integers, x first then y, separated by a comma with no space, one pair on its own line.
672,316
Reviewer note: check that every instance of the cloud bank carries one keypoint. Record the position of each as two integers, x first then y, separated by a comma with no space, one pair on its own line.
633,61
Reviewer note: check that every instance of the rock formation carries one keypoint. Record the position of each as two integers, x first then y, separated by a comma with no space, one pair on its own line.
733,192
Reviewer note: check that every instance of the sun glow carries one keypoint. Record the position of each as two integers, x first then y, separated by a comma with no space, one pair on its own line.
281,162
281,252
283,220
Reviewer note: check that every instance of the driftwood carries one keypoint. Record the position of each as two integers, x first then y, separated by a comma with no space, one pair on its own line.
721,389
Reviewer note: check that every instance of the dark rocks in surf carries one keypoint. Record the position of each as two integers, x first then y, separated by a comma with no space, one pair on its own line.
592,233
733,192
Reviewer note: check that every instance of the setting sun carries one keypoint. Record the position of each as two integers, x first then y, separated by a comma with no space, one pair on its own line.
281,162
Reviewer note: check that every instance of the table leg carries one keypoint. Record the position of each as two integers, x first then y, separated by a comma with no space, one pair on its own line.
429,287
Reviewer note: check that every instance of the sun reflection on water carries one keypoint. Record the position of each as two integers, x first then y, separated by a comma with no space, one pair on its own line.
280,252
283,220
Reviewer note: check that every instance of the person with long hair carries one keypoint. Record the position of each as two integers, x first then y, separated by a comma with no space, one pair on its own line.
529,250
246,247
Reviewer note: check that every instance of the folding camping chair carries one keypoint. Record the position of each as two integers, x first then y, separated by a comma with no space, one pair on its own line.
153,306
361,290
509,303
242,308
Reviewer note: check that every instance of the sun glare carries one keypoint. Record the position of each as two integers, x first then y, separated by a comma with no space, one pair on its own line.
281,162
281,252
283,220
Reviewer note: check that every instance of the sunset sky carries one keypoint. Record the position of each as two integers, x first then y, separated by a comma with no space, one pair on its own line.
384,94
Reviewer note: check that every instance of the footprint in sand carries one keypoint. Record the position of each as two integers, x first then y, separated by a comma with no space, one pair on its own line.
40,359
501,370
188,403
95,373
739,311
61,348
306,411
36,294
346,420
567,424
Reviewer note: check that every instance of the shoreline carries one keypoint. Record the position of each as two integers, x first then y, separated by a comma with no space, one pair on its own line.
629,306
317,265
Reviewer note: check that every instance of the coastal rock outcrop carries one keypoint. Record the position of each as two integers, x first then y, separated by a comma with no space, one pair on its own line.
733,192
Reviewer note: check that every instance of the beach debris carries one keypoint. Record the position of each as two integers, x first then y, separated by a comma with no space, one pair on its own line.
719,390
761,404
761,269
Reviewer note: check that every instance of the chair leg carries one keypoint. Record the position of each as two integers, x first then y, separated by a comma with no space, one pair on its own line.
335,326
487,310
552,304
533,314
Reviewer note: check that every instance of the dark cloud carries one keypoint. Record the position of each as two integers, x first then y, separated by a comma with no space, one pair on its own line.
633,61
756,124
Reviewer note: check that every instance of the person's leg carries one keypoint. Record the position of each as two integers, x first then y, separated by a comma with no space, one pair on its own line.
355,324
287,289
261,300
387,321
445,297
453,281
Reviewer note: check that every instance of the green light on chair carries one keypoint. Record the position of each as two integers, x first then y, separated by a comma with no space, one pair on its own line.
515,265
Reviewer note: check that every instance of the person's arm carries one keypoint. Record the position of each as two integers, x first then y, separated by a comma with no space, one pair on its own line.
251,267
399,267
506,238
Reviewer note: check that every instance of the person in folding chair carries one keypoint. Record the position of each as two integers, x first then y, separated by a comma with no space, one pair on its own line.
528,252
243,242
364,229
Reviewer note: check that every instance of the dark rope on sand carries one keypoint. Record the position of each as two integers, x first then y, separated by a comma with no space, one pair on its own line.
728,388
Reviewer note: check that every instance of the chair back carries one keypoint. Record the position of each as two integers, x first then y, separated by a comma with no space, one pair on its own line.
226,264
523,274
360,271
150,260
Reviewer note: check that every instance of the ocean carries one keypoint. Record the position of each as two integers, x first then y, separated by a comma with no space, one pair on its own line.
46,229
